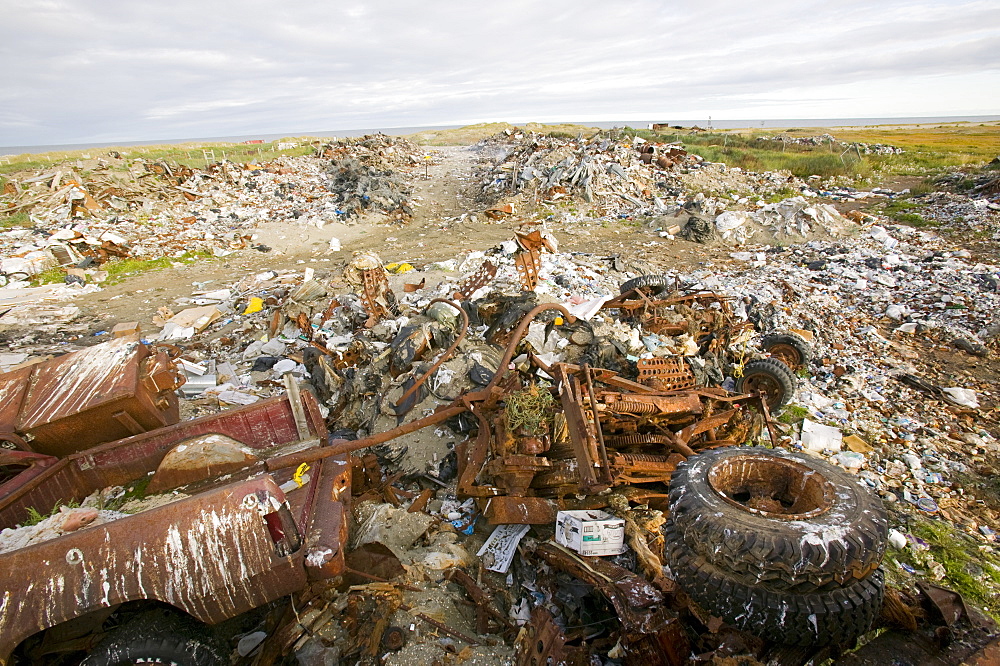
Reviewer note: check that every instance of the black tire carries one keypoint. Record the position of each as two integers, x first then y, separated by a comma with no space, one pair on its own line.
788,348
653,283
834,617
159,639
832,533
769,375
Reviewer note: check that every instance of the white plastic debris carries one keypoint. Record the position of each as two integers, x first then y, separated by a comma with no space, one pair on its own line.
817,437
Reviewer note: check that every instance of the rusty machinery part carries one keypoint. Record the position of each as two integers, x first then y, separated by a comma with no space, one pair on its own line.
441,359
172,351
477,280
375,285
653,284
528,263
789,348
665,374
159,638
394,638
782,520
831,617
543,642
771,377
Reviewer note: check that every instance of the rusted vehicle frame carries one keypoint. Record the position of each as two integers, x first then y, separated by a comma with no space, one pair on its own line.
714,312
212,555
99,394
651,633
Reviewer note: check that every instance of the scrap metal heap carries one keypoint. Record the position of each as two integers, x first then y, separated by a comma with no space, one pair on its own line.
589,432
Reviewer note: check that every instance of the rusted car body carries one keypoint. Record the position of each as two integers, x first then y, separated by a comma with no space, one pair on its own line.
236,544
96,395
19,467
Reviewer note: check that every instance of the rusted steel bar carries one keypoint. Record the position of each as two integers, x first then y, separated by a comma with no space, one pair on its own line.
345,446
443,357
440,626
601,450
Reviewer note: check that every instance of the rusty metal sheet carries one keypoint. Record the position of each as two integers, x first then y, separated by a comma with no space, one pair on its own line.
19,467
477,280
665,374
211,555
518,510
106,392
528,263
215,554
543,641
262,425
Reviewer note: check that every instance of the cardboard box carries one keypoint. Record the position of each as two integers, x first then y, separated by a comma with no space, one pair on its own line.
591,532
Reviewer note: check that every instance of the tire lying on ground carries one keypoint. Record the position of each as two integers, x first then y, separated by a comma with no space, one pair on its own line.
772,517
771,376
789,348
836,616
652,284
159,639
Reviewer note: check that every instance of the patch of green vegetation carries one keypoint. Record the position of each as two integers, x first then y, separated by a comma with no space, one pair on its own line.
35,516
926,186
757,153
133,491
119,269
50,276
16,220
793,414
781,194
968,566
904,211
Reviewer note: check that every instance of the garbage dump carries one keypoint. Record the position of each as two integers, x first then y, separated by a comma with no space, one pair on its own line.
148,209
545,456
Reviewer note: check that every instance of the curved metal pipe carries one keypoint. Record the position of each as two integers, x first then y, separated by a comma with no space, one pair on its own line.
519,333
443,357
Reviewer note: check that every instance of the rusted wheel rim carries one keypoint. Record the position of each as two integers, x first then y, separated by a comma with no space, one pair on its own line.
767,384
788,355
771,486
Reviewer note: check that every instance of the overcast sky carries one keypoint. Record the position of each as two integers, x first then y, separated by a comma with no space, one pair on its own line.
110,70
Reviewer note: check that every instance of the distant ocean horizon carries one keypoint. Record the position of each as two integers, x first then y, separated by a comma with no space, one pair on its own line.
758,123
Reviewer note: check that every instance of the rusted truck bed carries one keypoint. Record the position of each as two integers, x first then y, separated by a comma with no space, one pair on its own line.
212,555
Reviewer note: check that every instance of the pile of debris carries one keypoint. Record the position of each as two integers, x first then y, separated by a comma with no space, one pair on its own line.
150,209
616,175
828,140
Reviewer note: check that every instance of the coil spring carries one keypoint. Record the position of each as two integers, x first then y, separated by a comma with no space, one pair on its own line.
634,407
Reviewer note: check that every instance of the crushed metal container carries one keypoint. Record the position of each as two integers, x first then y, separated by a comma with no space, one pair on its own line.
100,394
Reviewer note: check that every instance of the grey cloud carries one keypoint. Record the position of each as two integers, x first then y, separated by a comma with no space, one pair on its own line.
130,70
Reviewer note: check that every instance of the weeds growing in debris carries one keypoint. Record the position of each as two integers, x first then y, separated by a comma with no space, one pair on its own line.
969,570
530,410
35,516
15,220
133,491
904,211
793,414
757,153
119,269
